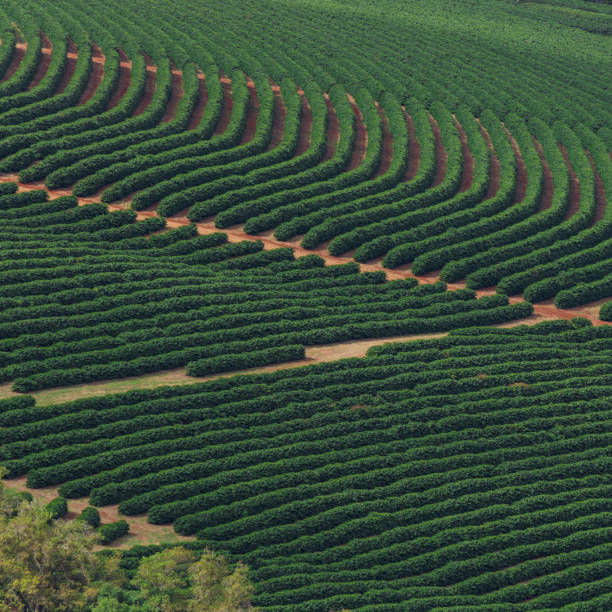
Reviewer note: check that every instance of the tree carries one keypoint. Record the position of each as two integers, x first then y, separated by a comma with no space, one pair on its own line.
163,579
216,588
47,565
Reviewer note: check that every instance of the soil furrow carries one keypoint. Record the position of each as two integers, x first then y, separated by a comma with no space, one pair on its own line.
361,138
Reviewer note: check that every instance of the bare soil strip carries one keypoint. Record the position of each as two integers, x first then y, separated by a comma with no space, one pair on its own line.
18,55
548,185
574,187
387,147
175,97
600,191
467,176
333,130
441,154
361,138
228,105
280,113
305,128
252,115
521,170
149,90
495,166
125,72
200,107
141,532
43,64
69,69
415,151
95,76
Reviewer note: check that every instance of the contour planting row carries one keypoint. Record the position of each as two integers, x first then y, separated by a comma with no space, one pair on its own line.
470,469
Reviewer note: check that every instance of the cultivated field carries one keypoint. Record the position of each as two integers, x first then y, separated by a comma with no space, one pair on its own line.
270,188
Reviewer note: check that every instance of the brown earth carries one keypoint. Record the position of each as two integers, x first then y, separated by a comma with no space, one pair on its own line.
18,55
252,115
574,186
521,170
548,185
441,154
333,130
69,69
280,113
467,176
125,72
600,191
200,107
149,89
95,76
228,105
361,138
43,64
175,97
305,128
387,146
495,165
415,151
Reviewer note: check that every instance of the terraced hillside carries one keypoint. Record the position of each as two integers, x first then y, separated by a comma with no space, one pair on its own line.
194,189
385,160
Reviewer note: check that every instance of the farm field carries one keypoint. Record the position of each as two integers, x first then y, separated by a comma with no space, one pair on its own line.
325,287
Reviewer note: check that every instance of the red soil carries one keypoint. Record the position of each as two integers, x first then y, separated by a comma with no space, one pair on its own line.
175,98
43,64
305,128
387,148
280,113
467,177
149,90
521,170
125,71
69,67
228,105
361,138
415,151
333,130
495,166
18,55
252,114
200,107
600,191
441,154
548,185
574,187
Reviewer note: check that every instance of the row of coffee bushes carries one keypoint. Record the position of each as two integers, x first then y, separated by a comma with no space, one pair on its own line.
302,214
268,195
494,229
448,213
369,223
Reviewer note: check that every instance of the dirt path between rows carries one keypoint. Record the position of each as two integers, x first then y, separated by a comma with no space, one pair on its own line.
574,187
521,170
200,107
494,165
441,154
18,55
175,97
414,150
149,88
280,114
252,115
305,135
467,175
601,200
548,181
387,145
361,138
226,108
43,65
123,83
333,130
